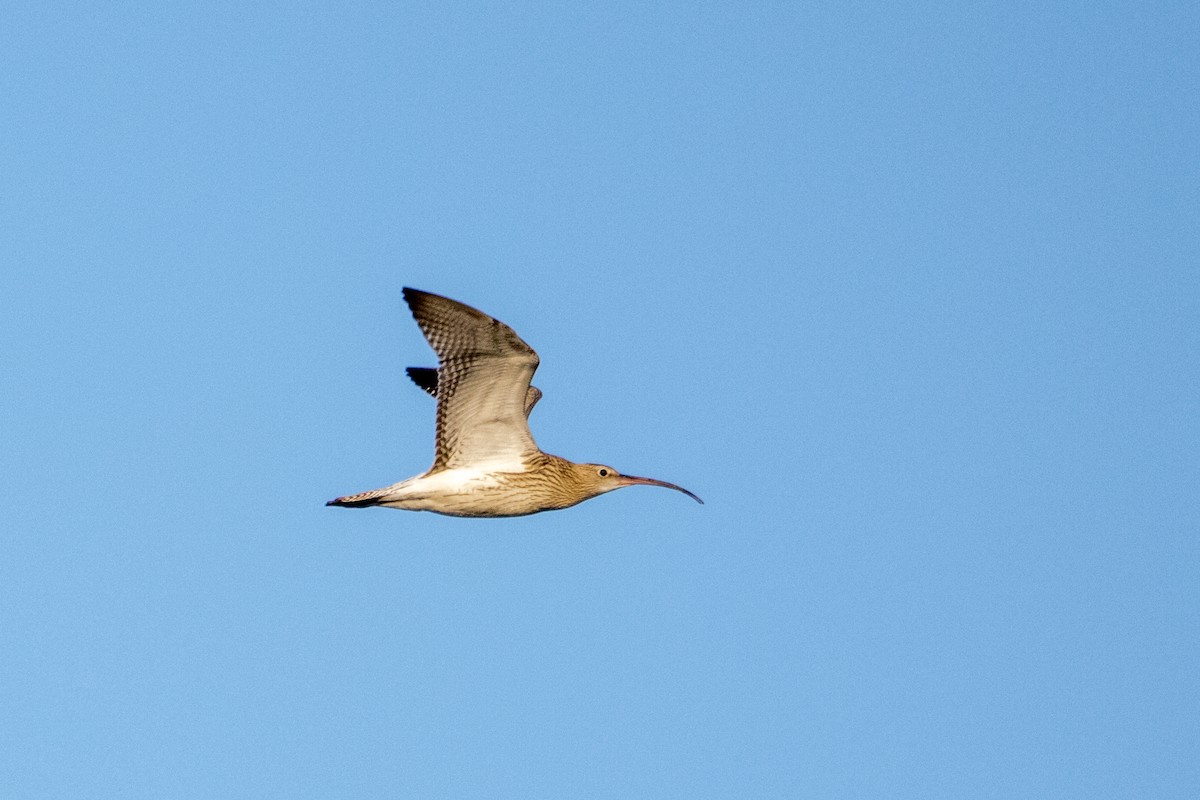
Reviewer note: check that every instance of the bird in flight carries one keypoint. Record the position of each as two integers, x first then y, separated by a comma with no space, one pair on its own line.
486,463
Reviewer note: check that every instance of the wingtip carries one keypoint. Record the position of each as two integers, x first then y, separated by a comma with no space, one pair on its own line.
417,300
424,377
412,295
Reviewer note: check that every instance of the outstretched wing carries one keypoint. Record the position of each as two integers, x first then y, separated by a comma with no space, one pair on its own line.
426,378
482,384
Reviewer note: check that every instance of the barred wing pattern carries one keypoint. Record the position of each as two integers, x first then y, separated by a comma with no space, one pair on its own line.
426,379
483,377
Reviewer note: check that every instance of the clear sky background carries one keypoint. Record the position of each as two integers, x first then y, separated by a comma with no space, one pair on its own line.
908,295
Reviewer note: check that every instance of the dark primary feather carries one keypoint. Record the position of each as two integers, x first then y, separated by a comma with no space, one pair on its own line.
425,377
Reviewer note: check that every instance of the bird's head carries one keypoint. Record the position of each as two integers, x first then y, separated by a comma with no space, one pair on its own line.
597,479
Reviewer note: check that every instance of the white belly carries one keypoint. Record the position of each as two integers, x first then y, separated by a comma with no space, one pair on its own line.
465,492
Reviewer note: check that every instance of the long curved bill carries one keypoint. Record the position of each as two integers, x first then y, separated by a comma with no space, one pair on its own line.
633,480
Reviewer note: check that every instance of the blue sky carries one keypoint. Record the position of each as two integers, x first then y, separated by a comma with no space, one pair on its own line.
908,295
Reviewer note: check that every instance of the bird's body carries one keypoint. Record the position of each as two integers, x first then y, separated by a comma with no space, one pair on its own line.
499,489
486,463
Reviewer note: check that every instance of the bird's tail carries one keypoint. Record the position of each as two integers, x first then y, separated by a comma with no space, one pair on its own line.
360,500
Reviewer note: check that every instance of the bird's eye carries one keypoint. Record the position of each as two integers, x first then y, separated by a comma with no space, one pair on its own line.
603,473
